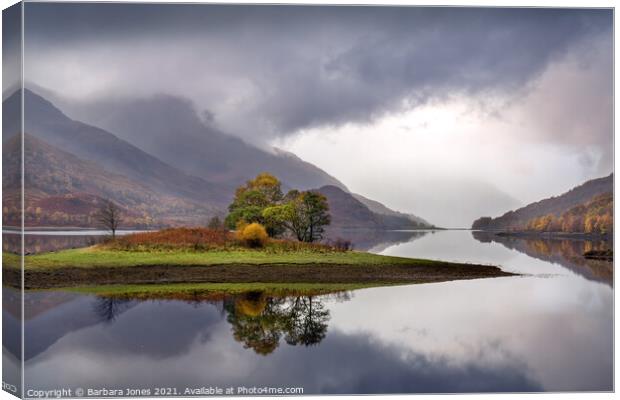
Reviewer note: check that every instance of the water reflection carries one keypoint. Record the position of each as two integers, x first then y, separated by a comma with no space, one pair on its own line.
565,252
548,330
375,241
126,343
11,317
45,241
259,321
50,316
109,308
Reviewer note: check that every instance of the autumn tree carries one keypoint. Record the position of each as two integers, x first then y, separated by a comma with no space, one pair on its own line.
305,214
606,224
109,215
260,200
252,199
594,216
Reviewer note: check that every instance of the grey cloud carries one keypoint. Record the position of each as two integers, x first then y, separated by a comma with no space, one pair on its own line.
425,58
268,70
574,107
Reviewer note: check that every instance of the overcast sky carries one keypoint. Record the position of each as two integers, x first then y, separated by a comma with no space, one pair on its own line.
443,112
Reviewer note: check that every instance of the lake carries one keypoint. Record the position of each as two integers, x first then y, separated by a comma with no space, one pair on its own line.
39,241
550,329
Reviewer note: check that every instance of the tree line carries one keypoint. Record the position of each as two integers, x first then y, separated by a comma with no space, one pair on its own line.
259,210
260,203
596,216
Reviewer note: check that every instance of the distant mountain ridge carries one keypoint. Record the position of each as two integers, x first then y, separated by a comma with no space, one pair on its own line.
518,219
381,209
350,213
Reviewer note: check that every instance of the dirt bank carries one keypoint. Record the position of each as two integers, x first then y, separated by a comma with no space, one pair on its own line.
246,273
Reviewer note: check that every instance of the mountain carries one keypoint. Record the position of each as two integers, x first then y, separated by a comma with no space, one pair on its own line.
72,166
555,206
381,209
44,121
61,189
595,217
347,212
169,128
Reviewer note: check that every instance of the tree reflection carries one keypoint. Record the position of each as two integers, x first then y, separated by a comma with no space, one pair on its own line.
307,324
109,308
260,321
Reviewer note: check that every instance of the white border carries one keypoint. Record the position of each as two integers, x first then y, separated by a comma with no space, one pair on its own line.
474,3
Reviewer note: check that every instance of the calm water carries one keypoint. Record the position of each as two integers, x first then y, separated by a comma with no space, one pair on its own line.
549,330
43,241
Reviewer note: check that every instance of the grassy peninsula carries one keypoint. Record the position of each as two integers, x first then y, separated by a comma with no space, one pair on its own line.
211,256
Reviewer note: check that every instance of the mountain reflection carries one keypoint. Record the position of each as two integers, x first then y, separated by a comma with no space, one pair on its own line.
375,241
148,342
565,252
11,242
259,320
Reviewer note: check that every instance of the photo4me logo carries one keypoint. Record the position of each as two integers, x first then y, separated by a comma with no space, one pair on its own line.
266,390
242,390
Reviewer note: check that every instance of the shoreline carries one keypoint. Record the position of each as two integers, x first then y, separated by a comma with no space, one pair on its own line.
251,273
548,235
87,267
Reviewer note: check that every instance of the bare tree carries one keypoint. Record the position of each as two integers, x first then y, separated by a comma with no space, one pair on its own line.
109,216
215,223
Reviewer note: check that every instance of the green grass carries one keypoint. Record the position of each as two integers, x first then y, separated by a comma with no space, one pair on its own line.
10,260
93,257
187,290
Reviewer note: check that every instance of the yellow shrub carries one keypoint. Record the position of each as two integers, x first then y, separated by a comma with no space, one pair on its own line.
253,235
240,226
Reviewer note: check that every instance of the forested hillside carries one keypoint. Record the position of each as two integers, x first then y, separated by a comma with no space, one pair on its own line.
595,216
61,189
568,211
